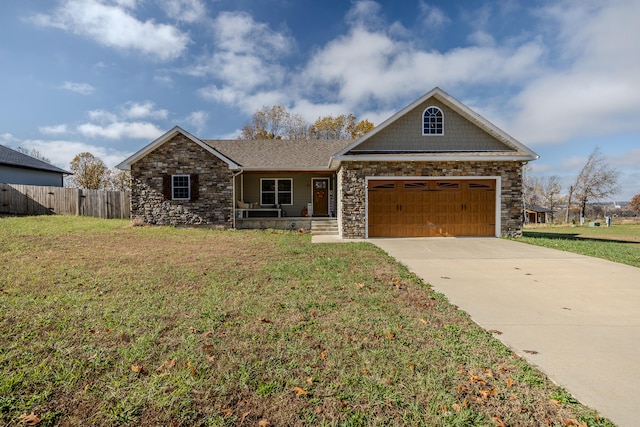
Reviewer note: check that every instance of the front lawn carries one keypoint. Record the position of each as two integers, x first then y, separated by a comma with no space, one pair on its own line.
619,243
105,324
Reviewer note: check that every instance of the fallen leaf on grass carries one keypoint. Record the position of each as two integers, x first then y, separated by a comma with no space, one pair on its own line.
530,351
360,285
510,383
264,423
477,379
323,355
30,419
167,364
138,369
264,320
300,391
423,321
486,393
194,330
498,421
574,422
390,335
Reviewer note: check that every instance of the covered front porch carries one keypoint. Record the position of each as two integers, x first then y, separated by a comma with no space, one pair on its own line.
283,200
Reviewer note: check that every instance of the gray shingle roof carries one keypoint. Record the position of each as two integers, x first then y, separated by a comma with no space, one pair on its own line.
281,154
15,158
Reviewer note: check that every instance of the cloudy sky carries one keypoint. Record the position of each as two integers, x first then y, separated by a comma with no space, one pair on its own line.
108,76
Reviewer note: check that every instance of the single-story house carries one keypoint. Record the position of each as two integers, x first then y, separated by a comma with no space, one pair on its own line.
537,214
19,168
435,168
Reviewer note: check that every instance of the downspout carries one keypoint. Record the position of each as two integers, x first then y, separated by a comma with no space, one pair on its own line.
233,210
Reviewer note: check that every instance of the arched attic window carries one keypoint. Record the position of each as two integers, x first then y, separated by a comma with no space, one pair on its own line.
432,121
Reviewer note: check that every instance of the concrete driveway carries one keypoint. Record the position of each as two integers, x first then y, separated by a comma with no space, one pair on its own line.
580,314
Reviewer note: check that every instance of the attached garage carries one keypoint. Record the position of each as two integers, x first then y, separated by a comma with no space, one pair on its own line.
431,207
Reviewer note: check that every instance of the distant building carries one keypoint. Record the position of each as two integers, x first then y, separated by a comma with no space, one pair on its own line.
537,215
18,168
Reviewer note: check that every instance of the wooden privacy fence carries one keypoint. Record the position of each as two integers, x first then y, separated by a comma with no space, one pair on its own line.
35,200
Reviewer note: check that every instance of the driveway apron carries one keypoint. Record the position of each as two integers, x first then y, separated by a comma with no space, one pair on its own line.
579,315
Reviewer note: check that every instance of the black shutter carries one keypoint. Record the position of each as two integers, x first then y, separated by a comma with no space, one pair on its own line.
166,186
195,189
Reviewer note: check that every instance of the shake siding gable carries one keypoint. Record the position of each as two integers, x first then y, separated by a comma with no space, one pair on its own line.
405,134
211,200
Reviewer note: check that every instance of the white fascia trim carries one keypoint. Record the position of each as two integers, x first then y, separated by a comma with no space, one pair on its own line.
457,106
498,201
126,164
288,169
432,158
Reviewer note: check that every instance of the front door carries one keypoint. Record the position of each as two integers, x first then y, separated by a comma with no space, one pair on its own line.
320,196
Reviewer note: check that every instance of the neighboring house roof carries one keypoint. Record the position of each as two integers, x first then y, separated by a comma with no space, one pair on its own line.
511,148
15,158
280,154
126,164
538,209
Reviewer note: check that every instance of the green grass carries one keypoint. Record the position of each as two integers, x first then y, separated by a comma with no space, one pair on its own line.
619,243
107,324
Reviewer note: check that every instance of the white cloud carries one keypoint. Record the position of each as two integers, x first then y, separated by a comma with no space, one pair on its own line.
102,116
144,110
7,139
371,65
114,26
433,17
61,152
81,88
119,130
197,119
593,87
131,120
246,62
184,10
53,130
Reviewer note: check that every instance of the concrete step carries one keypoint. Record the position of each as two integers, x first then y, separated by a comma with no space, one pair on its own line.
327,227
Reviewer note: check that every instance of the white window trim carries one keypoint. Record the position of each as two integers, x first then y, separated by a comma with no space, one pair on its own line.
276,190
188,187
422,123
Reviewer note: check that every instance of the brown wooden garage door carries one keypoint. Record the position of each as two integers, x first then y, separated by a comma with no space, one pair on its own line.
424,208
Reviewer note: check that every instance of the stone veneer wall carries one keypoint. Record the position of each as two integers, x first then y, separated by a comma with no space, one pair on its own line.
352,188
180,155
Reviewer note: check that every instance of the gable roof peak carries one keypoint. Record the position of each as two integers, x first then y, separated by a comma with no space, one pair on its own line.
126,164
524,152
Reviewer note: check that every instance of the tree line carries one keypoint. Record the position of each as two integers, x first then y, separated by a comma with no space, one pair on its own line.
596,181
273,122
276,122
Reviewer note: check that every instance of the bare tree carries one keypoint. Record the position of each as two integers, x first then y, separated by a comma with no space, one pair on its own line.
531,189
634,205
595,181
550,189
118,180
89,171
33,153
275,123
